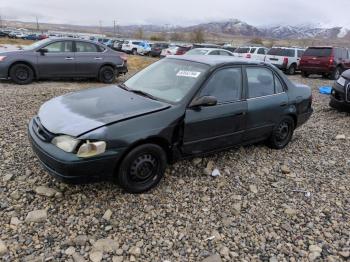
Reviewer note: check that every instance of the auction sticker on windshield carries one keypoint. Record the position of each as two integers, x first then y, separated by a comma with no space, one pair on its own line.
188,74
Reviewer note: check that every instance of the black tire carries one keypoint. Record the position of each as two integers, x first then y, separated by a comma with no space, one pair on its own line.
282,133
142,168
292,69
304,74
107,74
21,74
134,51
336,73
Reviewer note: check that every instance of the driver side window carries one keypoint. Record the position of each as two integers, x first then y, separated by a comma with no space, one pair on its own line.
59,47
225,85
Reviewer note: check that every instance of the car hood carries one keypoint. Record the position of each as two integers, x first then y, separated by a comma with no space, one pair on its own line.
77,113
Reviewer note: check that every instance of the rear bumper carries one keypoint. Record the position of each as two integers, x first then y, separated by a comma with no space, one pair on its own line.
338,97
67,166
317,70
303,118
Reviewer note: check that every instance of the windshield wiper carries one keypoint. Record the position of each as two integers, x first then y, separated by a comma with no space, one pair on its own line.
123,86
140,92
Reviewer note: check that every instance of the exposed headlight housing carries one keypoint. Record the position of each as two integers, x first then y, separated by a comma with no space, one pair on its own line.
66,143
341,81
2,58
90,149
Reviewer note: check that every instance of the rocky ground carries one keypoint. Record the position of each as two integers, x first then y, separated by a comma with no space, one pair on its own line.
266,205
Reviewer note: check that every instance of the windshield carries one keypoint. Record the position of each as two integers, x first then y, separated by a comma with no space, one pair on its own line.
281,52
242,50
168,79
197,52
36,44
320,52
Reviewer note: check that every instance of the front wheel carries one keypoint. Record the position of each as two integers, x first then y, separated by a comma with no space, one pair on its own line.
142,168
21,74
107,74
282,133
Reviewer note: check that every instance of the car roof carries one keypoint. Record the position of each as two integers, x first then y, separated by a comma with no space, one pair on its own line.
216,60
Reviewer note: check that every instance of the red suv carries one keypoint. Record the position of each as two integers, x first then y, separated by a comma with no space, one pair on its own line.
327,61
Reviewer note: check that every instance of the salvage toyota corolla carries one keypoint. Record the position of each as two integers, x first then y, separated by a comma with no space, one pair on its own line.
176,108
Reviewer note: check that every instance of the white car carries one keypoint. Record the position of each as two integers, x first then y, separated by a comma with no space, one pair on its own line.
285,58
144,48
130,46
209,51
251,52
17,34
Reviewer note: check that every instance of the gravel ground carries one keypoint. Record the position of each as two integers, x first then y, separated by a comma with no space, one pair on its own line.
267,205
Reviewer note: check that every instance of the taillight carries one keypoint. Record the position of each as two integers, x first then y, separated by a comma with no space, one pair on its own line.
285,60
248,56
124,57
331,60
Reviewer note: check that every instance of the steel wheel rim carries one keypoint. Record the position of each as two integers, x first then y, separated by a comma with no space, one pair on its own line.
282,132
22,73
144,168
108,74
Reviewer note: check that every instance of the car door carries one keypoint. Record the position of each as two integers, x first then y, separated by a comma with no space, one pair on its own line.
222,125
266,99
57,60
89,58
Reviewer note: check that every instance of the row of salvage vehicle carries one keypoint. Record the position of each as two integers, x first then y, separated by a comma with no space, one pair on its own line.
176,108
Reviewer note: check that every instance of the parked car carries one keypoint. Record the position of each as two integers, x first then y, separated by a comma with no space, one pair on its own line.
194,46
326,61
251,52
33,37
42,36
230,48
61,58
175,50
209,51
110,43
340,95
143,48
285,58
157,49
176,108
3,34
130,46
118,44
17,34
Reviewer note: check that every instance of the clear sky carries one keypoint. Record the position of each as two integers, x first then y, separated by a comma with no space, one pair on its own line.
179,12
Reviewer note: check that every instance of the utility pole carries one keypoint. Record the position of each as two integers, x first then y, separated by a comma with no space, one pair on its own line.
114,31
100,23
37,24
0,21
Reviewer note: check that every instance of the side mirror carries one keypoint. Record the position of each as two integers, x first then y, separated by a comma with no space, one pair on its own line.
43,51
204,101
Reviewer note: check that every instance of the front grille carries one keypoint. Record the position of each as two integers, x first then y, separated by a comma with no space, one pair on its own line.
41,132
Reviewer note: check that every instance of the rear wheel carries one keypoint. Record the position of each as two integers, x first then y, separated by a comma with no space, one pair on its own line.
107,74
336,73
292,69
142,168
304,74
21,74
282,133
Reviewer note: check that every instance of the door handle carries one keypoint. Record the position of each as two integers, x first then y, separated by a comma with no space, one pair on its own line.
98,58
283,104
69,58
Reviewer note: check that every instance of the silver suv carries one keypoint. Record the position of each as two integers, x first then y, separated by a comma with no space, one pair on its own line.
285,58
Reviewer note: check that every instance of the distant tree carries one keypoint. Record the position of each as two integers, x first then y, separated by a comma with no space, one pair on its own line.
139,33
176,36
197,36
257,41
271,43
158,37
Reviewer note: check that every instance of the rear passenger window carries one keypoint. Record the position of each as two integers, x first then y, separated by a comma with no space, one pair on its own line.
252,51
278,86
214,52
260,82
225,85
60,47
85,47
225,53
261,51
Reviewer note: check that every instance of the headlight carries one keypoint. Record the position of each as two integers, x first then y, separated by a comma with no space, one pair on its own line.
66,143
341,81
2,58
90,149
